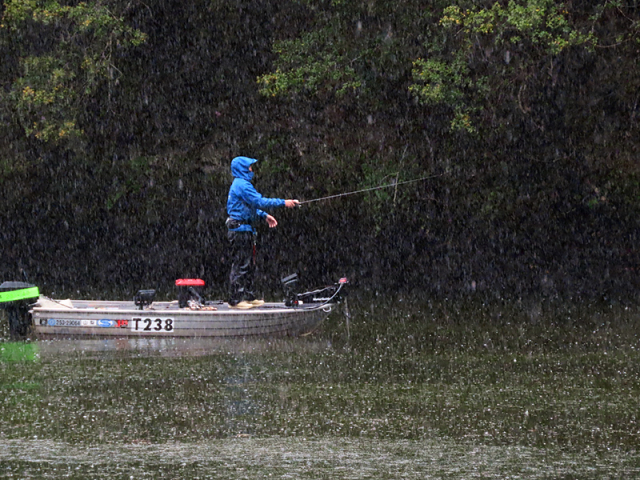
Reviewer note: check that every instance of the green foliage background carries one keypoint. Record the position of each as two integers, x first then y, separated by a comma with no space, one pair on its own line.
118,121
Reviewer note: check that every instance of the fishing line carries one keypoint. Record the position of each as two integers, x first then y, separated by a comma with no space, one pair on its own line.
372,188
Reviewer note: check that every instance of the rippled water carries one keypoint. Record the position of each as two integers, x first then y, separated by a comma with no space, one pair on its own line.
410,391
306,458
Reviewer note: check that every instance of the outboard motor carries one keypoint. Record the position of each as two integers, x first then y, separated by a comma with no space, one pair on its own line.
17,298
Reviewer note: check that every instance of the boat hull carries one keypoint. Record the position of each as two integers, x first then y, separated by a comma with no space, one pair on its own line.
51,318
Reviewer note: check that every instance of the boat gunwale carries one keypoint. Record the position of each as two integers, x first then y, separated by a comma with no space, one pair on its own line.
267,308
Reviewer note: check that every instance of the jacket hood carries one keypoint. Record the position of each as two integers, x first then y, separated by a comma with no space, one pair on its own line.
240,167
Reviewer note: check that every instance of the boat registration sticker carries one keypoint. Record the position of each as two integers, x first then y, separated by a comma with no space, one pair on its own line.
151,324
56,322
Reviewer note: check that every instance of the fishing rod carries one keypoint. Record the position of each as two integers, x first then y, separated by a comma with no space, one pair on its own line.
371,189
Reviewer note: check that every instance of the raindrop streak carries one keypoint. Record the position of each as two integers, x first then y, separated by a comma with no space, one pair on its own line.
347,316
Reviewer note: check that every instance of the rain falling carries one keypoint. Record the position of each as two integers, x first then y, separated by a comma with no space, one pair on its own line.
427,266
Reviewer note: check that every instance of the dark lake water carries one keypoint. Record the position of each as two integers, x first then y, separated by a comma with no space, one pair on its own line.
411,390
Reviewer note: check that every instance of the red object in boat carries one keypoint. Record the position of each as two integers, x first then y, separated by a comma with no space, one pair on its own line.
189,282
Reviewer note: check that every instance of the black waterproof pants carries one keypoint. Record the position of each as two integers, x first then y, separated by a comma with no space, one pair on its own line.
243,266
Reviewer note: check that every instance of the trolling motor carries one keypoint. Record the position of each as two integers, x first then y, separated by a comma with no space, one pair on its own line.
331,294
17,298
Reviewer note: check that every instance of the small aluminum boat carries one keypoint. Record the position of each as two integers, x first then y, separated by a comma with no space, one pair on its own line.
190,316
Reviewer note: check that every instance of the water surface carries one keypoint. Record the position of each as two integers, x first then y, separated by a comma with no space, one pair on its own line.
412,391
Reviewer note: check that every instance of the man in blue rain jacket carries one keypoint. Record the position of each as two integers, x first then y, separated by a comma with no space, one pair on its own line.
245,206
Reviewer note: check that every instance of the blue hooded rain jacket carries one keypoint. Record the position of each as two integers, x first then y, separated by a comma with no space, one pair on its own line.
244,203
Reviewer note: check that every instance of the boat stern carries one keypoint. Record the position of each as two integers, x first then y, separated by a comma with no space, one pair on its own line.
17,298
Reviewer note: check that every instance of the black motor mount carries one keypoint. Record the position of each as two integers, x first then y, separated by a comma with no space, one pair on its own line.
289,285
144,298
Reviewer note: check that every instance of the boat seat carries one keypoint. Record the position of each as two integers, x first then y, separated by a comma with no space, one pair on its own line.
189,289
